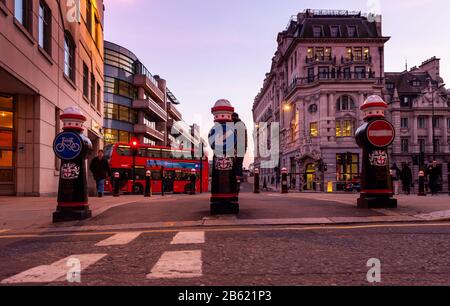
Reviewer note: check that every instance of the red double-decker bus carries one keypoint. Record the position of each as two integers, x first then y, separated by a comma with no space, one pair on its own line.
174,166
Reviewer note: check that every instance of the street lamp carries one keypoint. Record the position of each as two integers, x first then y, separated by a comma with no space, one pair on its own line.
432,92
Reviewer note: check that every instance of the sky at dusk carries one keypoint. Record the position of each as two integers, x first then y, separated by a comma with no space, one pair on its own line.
213,49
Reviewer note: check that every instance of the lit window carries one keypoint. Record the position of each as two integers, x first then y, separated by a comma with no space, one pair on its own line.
314,130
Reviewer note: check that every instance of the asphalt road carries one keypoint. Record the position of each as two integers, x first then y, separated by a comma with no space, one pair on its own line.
252,206
409,255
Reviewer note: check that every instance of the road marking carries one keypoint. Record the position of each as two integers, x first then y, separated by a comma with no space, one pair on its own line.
56,272
177,265
4,230
253,228
119,239
189,238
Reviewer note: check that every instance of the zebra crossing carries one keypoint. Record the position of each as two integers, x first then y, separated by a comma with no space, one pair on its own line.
180,264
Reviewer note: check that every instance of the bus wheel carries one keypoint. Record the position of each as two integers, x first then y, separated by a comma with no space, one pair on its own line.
138,189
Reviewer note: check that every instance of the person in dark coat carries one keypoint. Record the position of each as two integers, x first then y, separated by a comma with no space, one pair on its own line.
100,170
406,177
433,177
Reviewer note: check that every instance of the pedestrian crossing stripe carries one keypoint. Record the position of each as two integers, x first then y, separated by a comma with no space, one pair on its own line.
189,238
119,239
58,271
178,265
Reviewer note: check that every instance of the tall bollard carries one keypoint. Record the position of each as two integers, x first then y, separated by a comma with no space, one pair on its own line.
72,148
422,192
193,179
116,184
284,181
148,184
256,187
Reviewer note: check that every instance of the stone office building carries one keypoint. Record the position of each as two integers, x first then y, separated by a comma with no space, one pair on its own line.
420,112
51,57
327,63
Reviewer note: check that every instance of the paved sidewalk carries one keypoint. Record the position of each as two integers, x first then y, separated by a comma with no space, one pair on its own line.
28,213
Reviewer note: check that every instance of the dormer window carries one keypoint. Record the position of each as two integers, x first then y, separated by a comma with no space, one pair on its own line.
416,83
389,85
335,31
317,31
352,31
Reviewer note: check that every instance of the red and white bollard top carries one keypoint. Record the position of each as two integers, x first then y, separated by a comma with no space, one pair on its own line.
256,171
148,173
223,111
374,107
73,119
284,171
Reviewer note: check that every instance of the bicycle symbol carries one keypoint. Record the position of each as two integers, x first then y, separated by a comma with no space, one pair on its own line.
67,143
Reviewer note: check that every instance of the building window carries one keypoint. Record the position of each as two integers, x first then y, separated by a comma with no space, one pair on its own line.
93,83
422,145
404,123
99,97
357,54
335,31
437,123
366,53
389,85
89,15
324,73
314,129
6,140
345,103
317,31
85,81
416,83
69,56
405,145
437,145
310,53
149,122
97,32
448,123
111,136
347,167
45,29
360,72
344,128
422,122
118,60
22,13
352,31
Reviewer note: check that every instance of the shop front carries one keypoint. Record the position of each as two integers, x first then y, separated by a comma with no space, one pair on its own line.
7,139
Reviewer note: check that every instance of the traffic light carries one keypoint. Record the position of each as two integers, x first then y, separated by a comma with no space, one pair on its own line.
134,146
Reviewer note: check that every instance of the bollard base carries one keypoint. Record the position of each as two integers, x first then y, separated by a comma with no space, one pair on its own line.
65,215
225,208
377,202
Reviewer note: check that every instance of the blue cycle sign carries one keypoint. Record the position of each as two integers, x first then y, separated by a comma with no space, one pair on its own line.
67,146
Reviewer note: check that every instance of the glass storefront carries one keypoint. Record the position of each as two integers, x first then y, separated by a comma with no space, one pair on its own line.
7,154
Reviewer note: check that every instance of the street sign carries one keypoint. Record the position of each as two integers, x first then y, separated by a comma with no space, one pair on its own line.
381,133
67,146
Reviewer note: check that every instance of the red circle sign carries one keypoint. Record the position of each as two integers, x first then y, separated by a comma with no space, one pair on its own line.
381,133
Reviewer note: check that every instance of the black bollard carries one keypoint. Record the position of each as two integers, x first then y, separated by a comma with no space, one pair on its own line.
284,181
116,184
374,136
256,186
163,181
72,148
148,184
422,192
193,182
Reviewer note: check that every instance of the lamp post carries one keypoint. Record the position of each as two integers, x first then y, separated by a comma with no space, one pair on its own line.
433,112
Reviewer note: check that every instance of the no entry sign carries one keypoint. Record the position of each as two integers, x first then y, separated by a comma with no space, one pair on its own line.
381,133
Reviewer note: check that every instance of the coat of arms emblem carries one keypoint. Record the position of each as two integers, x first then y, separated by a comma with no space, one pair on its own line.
378,158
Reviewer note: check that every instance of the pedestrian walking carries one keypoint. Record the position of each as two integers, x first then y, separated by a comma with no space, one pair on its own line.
433,178
406,178
100,170
395,175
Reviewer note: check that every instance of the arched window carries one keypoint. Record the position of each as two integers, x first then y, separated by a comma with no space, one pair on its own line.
69,56
345,103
